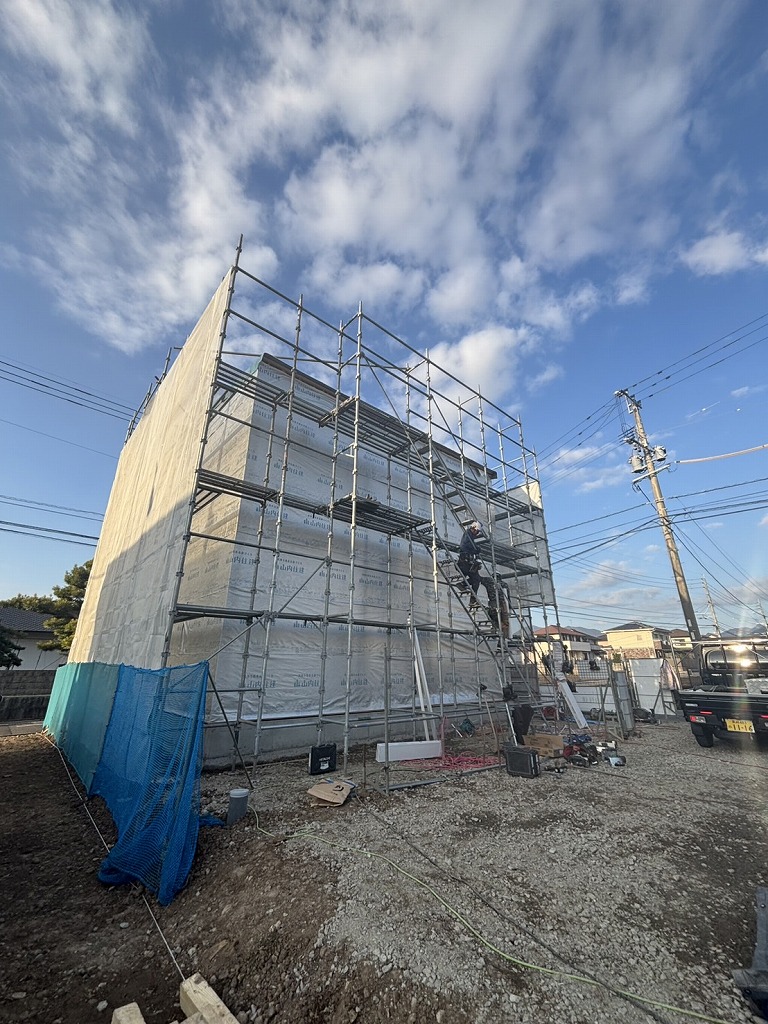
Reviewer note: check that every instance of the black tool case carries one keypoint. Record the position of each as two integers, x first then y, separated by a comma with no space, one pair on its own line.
322,759
522,761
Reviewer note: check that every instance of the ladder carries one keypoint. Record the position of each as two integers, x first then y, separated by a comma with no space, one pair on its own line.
422,689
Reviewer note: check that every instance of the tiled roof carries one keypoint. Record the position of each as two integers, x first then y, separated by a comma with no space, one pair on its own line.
561,631
22,621
633,627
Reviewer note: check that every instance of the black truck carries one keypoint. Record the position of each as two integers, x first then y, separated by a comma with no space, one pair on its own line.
733,697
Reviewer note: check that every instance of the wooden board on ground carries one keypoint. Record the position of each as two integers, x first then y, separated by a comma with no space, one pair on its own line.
197,997
128,1014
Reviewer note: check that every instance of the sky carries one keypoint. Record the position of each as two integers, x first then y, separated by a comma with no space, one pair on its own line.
565,199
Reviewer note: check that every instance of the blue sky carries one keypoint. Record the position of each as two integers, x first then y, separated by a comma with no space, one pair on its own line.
567,199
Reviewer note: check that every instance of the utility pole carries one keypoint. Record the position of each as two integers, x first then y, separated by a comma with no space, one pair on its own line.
648,457
712,611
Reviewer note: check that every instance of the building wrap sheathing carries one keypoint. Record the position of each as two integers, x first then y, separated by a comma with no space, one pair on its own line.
294,524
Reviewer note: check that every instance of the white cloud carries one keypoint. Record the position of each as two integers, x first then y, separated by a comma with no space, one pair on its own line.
747,389
93,50
721,253
485,360
462,292
632,287
546,376
383,283
409,151
764,521
599,479
586,468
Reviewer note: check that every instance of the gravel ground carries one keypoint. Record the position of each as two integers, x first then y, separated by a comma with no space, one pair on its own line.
485,898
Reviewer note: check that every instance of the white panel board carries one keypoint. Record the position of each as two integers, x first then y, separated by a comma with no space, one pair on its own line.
413,750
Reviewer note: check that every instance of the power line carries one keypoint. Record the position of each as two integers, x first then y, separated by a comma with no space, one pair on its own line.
722,487
615,575
665,374
56,388
60,439
744,575
688,545
597,519
604,412
700,353
64,510
728,455
67,380
46,533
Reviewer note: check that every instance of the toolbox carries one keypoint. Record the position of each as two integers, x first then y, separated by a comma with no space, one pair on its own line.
322,759
522,761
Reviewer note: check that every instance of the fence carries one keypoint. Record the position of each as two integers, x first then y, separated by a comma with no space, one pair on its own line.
134,737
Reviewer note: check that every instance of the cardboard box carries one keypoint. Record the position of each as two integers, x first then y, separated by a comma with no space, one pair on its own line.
546,744
330,793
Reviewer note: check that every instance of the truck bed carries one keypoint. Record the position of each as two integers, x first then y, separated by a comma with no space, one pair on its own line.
732,711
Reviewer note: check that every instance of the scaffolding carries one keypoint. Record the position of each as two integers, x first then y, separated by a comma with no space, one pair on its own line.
326,476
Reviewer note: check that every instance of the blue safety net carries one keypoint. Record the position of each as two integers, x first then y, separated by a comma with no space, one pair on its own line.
149,776
78,713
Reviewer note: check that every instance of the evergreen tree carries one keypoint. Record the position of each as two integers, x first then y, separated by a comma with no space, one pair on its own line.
69,601
9,651
63,607
31,603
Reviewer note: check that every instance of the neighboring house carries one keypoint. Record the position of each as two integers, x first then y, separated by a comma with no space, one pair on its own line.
680,640
580,648
28,630
637,640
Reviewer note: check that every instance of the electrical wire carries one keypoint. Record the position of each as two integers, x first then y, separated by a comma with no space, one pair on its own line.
743,576
62,510
699,355
601,411
62,440
685,542
47,533
723,487
728,455
642,1002
70,393
596,519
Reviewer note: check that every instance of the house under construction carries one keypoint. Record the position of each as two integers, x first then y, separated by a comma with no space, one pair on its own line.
289,505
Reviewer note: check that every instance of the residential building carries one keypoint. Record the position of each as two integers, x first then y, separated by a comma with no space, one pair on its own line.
579,648
637,640
28,630
680,640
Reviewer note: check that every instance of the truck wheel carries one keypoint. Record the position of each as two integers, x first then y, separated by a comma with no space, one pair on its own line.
704,738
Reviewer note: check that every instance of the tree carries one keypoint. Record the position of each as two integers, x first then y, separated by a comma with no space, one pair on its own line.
30,603
69,601
63,606
9,651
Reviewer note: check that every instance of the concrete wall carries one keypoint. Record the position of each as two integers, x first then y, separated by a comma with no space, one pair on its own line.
24,695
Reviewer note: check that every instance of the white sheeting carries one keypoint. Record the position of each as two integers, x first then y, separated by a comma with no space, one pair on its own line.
235,565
